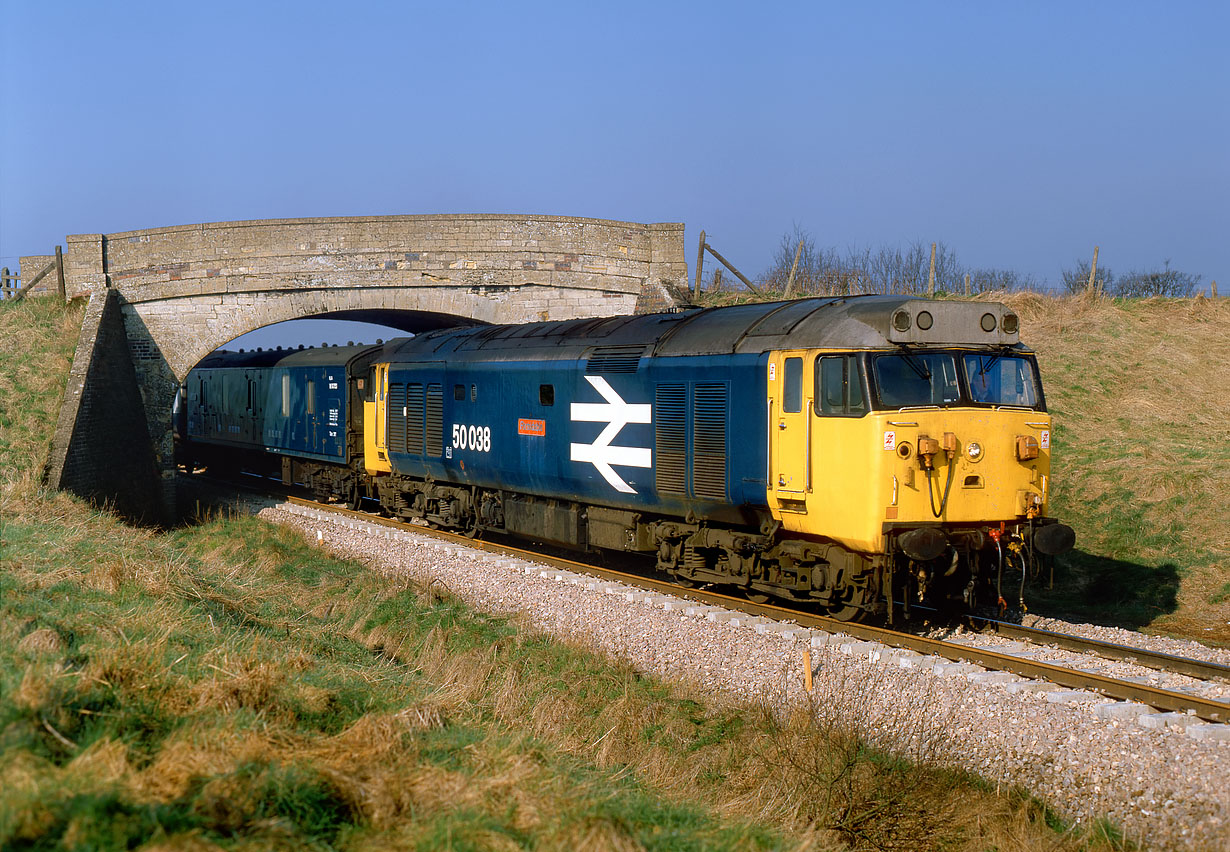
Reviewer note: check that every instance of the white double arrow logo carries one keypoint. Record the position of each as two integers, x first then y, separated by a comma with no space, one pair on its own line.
616,414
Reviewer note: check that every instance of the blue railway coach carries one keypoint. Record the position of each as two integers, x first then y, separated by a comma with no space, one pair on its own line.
299,410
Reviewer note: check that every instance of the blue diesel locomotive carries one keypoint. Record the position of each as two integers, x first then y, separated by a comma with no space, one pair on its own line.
822,450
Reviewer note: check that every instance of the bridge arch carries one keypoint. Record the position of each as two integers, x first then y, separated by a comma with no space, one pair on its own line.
162,299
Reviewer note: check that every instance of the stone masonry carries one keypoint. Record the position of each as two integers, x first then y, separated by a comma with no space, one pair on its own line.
184,291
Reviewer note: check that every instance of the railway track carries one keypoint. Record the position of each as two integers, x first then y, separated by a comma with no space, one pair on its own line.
1162,699
1113,651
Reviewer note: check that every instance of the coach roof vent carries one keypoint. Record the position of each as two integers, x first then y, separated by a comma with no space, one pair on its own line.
614,359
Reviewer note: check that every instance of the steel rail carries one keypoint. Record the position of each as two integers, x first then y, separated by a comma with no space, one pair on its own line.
1114,651
1162,699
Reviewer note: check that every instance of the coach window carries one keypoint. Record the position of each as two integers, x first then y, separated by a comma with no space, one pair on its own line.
792,390
286,394
311,397
839,386
546,394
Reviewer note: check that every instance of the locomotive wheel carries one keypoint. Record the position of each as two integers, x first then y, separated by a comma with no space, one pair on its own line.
756,597
848,609
846,612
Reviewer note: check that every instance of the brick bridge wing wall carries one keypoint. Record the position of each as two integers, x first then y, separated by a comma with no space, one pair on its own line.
184,291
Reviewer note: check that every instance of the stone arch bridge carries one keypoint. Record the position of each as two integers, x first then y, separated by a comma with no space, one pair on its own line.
162,299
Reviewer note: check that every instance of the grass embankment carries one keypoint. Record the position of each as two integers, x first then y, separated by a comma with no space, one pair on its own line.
229,685
1140,395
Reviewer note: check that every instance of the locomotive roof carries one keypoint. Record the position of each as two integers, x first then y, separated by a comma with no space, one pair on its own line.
854,322
307,357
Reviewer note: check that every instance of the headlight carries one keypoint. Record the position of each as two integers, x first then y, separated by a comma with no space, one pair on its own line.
973,451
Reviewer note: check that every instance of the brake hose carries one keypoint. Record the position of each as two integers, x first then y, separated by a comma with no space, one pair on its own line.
999,582
1021,555
947,488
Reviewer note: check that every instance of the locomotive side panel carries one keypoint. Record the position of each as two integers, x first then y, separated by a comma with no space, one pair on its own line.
675,436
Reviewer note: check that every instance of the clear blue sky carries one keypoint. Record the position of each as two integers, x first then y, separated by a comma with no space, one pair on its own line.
1019,134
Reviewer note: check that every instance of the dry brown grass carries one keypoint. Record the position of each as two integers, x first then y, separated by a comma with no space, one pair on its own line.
1141,389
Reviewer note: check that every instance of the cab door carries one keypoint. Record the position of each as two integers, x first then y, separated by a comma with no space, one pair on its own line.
790,382
375,423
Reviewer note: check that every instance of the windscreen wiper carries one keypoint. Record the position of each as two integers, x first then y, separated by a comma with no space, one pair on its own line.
983,368
916,365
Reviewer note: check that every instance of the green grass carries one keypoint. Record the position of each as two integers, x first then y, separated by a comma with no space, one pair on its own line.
229,648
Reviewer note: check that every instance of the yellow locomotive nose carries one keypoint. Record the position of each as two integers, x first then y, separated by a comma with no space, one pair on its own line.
850,469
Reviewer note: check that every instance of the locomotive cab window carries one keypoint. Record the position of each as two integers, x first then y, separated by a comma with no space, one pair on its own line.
839,386
792,386
1001,379
546,394
916,379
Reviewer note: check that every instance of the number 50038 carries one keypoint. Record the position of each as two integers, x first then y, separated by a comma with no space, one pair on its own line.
477,438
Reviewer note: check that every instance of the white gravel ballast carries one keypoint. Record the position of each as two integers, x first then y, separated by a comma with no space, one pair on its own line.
1164,781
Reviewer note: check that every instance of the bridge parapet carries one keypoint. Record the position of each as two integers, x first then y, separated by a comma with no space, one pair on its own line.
485,251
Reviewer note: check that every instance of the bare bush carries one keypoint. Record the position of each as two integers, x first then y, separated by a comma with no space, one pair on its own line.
871,764
886,270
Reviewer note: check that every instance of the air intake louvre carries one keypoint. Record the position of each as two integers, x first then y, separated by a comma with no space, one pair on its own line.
435,421
414,418
670,420
709,441
396,435
614,359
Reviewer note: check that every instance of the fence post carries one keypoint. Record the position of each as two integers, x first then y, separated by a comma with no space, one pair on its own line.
967,285
1093,269
60,273
717,279
1213,289
4,282
931,276
718,257
794,267
700,262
